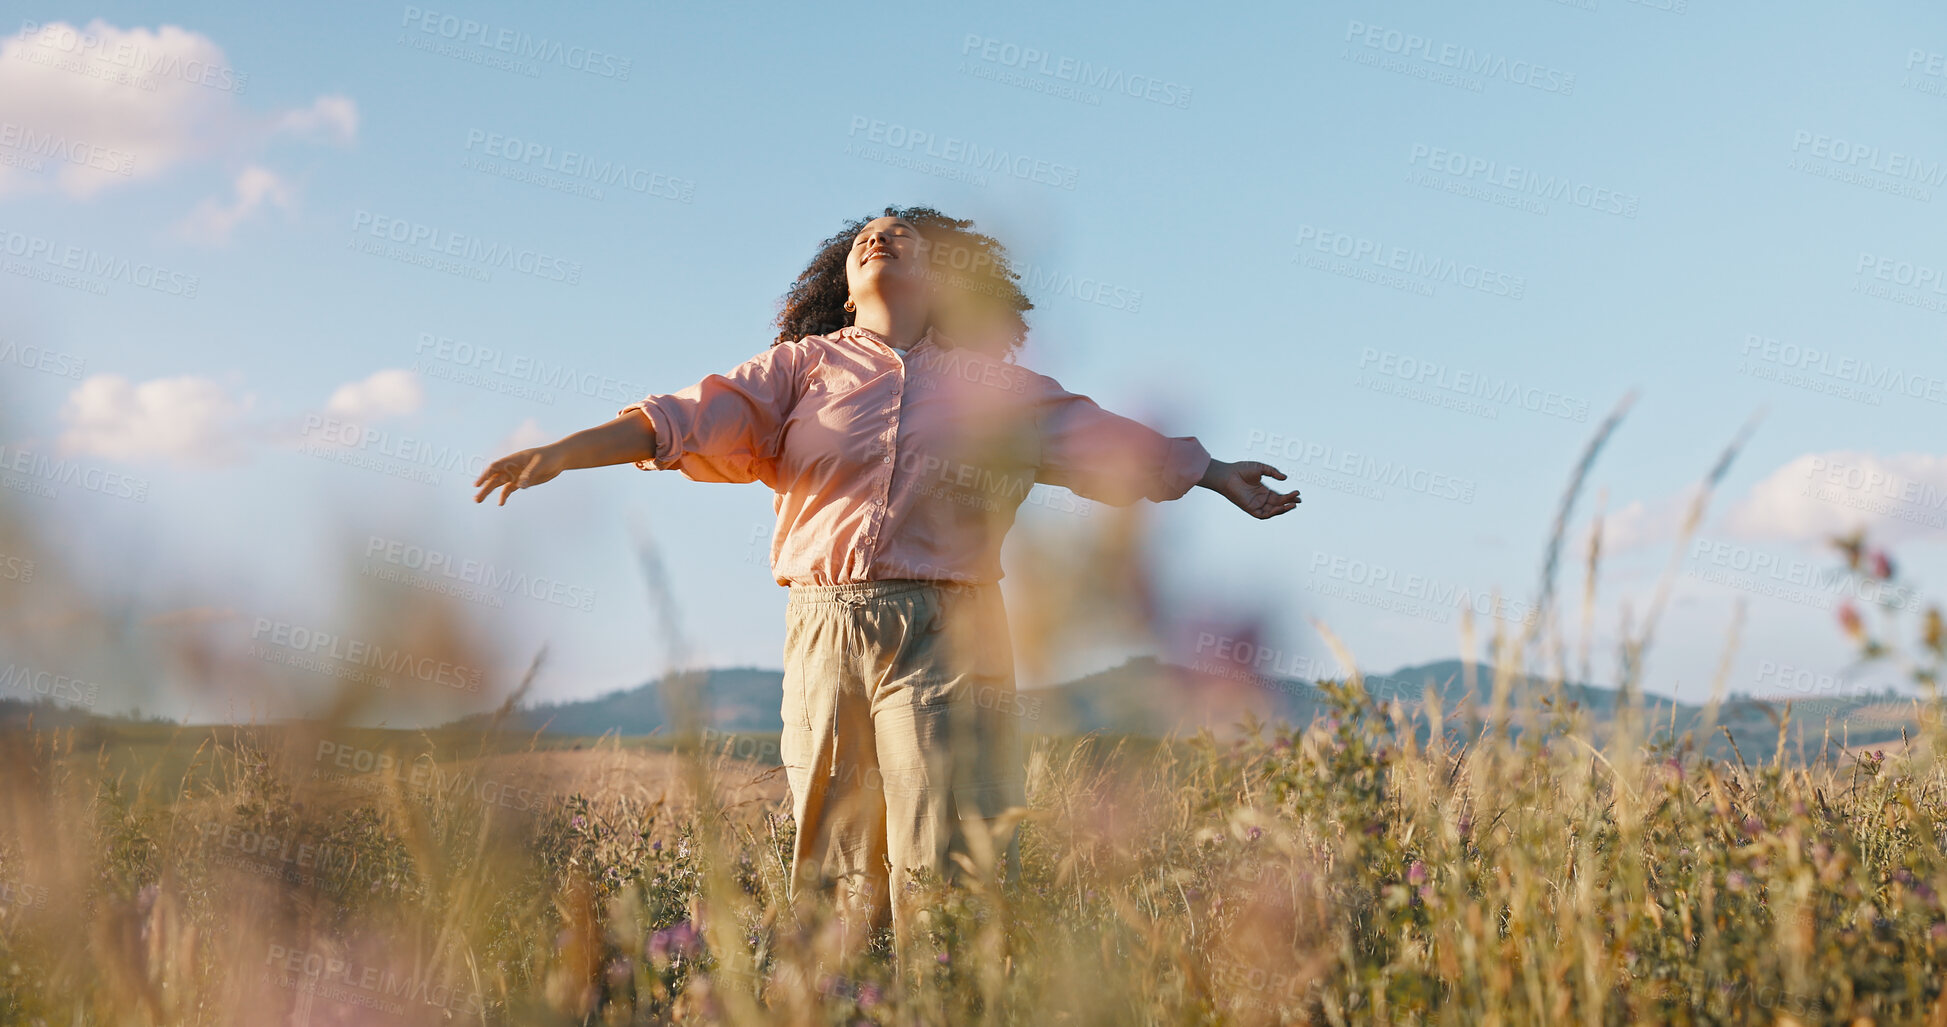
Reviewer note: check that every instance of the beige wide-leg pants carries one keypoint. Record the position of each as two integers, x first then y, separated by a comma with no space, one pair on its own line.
901,737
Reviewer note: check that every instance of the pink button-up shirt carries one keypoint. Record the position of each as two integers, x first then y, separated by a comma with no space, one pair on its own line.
903,468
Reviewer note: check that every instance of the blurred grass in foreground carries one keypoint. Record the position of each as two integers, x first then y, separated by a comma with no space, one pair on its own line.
1395,864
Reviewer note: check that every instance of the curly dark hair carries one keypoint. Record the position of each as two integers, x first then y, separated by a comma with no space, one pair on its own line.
982,283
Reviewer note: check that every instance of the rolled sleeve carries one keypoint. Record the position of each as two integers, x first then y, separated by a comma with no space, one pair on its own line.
727,427
660,423
1110,458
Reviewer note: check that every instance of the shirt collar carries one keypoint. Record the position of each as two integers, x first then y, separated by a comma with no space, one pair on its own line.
855,332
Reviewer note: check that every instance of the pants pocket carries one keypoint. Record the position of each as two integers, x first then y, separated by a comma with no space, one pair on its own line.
794,708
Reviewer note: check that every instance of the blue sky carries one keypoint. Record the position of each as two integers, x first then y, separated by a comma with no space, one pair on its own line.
1360,240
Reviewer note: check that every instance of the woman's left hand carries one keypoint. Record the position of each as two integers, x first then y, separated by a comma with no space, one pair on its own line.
1243,484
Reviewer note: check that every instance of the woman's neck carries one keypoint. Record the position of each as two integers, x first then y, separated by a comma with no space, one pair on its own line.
901,327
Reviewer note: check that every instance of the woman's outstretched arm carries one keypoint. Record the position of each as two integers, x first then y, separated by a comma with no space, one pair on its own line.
725,428
1115,460
625,440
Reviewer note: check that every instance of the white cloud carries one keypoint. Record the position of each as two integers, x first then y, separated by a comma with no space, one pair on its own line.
101,106
393,392
188,419
526,435
1820,495
333,118
1645,525
212,221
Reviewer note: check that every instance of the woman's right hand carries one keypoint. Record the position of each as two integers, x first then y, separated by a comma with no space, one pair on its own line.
522,470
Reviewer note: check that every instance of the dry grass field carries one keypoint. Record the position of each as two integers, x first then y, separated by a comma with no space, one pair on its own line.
1502,863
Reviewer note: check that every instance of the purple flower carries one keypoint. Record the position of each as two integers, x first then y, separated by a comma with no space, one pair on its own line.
619,971
1255,833
674,942
576,823
1735,881
868,996
945,960
1416,874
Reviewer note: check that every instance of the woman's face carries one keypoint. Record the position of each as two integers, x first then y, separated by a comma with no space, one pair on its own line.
887,262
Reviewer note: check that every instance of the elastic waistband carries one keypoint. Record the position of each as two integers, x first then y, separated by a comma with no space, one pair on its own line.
865,591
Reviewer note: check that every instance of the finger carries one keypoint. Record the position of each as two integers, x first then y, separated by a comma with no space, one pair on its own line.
492,479
1272,471
508,491
498,469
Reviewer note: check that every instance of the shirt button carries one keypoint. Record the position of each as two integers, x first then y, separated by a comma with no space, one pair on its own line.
888,458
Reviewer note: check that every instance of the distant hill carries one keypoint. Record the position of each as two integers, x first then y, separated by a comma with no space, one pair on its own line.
1145,696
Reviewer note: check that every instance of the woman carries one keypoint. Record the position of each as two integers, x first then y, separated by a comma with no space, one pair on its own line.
899,437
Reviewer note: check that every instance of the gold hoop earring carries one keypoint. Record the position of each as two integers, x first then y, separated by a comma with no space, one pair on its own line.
851,307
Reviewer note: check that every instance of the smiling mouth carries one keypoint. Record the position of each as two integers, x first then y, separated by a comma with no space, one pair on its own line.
877,255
